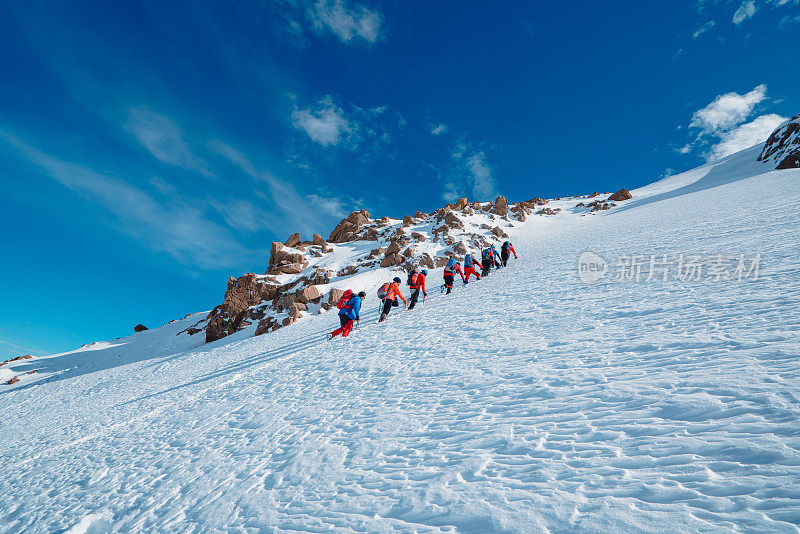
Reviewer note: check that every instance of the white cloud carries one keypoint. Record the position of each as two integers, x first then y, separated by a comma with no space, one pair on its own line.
348,22
685,149
439,129
745,136
728,110
179,229
330,205
325,124
703,29
481,173
164,140
745,11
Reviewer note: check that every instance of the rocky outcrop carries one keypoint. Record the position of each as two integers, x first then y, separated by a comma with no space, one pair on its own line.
622,194
240,295
139,328
548,211
293,240
285,261
347,229
782,148
499,206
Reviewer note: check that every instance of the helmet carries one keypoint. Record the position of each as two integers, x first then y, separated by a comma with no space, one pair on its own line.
362,294
425,272
396,279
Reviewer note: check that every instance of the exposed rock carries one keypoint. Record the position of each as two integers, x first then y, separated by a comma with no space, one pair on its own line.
217,328
782,148
499,206
13,380
452,221
460,204
391,260
291,268
408,221
139,328
498,232
308,294
192,330
622,194
296,308
440,262
293,240
420,215
266,325
418,236
288,320
593,195
548,211
394,248
427,261
347,229
347,271
408,252
597,205
579,205
460,248
334,296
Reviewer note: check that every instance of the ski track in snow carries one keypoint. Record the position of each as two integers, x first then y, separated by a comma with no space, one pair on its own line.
526,402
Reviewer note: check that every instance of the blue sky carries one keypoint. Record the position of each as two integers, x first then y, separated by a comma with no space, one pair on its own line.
150,150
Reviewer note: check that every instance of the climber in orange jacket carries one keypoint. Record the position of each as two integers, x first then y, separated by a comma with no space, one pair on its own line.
416,287
392,294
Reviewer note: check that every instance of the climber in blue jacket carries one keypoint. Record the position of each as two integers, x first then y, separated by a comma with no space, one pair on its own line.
348,312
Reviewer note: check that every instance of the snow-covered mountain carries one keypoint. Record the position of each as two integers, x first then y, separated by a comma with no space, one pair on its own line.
636,369
782,149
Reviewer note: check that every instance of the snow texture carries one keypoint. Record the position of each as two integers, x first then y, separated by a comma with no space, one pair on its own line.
526,402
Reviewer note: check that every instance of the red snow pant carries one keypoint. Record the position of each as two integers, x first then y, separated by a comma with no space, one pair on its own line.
469,271
347,325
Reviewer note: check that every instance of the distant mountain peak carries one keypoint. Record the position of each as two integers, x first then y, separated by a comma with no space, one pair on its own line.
783,147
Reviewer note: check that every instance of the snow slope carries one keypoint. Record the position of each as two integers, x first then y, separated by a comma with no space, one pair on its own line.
527,402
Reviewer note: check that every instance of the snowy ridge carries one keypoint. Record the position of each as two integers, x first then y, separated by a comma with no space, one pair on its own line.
527,402
782,149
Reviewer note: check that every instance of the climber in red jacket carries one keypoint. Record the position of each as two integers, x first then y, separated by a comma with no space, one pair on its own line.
505,252
417,286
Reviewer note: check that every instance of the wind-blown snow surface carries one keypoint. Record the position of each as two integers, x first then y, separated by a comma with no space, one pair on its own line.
526,402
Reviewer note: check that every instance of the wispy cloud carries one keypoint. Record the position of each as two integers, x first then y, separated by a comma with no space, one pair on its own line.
164,140
178,229
439,129
349,22
471,176
746,10
324,123
288,208
703,29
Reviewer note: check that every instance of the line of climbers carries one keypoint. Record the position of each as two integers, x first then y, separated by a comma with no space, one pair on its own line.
389,294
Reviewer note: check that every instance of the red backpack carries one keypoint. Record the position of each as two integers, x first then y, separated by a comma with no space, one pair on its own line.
344,299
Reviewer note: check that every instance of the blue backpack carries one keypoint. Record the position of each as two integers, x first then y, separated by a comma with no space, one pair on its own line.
485,254
468,260
506,245
451,264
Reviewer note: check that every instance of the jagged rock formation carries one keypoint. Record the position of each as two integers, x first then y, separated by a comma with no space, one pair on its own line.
622,194
139,328
782,148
